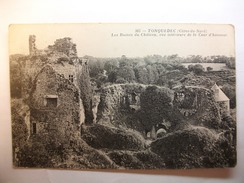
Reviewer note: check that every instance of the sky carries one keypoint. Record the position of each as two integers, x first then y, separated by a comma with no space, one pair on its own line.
115,40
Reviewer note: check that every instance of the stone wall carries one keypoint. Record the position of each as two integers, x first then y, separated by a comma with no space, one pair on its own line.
119,101
224,107
30,68
197,106
32,45
62,117
67,70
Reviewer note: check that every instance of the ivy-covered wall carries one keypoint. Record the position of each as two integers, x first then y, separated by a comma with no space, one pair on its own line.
197,106
62,119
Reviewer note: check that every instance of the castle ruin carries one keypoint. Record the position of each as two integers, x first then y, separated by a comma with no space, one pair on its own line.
32,45
52,89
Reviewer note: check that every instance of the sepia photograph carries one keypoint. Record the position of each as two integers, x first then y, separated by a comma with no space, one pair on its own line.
123,96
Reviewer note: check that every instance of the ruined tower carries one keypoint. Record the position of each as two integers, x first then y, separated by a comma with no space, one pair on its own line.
32,44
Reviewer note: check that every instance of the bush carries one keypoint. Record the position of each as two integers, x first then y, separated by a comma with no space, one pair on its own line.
194,147
197,69
100,136
125,159
150,160
35,155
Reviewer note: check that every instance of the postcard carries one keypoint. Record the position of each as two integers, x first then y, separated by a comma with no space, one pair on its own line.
123,96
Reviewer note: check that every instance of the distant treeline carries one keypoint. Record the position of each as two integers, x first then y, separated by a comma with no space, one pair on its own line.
153,69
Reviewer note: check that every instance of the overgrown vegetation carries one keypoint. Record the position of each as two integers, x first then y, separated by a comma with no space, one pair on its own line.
195,147
86,93
156,106
138,98
100,137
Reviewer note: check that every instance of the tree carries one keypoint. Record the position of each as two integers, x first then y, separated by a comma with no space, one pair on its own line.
124,61
161,69
127,73
197,69
220,59
96,67
111,65
156,106
15,79
141,74
86,93
19,128
65,46
152,74
230,63
152,59
101,79
195,59
112,76
231,94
